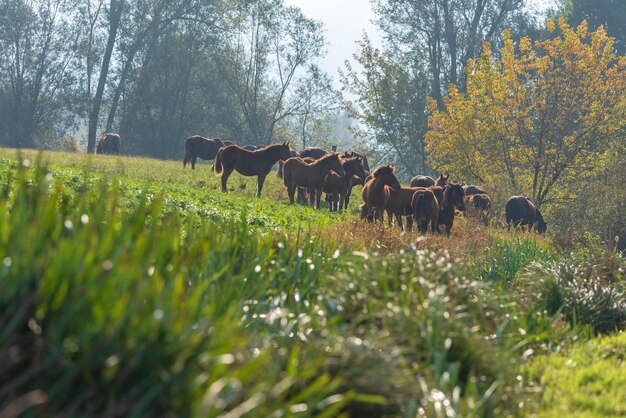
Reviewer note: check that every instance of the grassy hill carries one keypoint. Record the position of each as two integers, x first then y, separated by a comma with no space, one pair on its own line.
132,287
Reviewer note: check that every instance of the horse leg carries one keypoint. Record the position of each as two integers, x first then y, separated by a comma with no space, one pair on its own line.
227,172
259,184
409,223
318,197
193,161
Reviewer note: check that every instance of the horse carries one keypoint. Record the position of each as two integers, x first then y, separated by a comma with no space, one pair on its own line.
452,199
373,192
337,186
472,190
425,209
356,181
299,173
442,180
250,147
249,163
478,205
279,173
398,204
199,146
313,152
520,211
422,181
109,143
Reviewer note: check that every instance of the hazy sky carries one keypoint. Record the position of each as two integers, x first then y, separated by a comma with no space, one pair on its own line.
345,21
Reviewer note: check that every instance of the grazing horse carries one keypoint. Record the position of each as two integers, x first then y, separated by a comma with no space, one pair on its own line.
472,190
452,199
425,207
478,205
399,204
422,181
520,211
356,181
298,173
442,180
374,194
249,163
337,186
199,146
109,143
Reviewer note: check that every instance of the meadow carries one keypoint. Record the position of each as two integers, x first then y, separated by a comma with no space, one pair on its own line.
132,287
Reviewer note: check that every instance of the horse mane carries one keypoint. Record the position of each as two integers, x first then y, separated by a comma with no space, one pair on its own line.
266,147
379,170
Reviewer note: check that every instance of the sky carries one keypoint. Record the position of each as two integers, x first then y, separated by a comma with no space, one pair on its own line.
345,21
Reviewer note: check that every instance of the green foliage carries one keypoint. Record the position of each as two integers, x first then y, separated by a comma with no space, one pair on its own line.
585,381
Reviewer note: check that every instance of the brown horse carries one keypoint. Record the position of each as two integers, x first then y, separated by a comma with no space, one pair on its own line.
109,143
337,186
399,204
373,192
279,173
199,146
520,211
472,190
249,163
425,207
452,199
422,181
299,173
442,180
478,206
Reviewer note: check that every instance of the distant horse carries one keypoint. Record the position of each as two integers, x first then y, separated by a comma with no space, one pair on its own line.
472,190
250,147
425,207
398,204
199,146
249,163
452,199
313,152
422,181
109,143
337,186
299,173
478,205
442,180
373,192
520,211
356,181
279,173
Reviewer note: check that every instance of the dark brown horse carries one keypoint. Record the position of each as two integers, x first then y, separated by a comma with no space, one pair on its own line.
373,192
199,146
337,186
249,163
109,143
399,204
478,206
422,181
279,173
313,152
299,173
520,211
453,197
425,207
472,190
442,180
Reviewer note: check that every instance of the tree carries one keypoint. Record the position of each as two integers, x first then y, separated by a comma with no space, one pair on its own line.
445,34
611,14
389,102
36,84
539,119
262,60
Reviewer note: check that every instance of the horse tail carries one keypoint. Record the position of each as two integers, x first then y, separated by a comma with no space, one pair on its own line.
218,166
419,204
286,176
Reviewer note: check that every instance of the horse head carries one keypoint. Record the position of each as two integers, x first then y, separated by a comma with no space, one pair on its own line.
455,195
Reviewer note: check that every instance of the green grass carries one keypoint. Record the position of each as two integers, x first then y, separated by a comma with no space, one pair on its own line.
133,287
588,380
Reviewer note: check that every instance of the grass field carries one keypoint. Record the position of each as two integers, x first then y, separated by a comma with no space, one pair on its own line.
132,287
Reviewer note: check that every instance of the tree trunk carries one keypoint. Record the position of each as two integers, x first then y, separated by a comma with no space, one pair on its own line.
115,17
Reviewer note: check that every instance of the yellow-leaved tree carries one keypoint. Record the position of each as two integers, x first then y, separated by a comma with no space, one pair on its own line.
539,119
